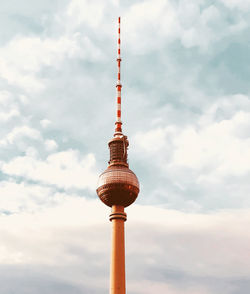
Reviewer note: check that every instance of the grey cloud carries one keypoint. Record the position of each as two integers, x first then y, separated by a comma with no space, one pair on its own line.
25,279
191,253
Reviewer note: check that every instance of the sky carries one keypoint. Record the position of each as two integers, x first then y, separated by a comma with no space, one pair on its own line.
186,111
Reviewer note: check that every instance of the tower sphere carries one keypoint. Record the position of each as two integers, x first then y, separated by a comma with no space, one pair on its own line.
118,185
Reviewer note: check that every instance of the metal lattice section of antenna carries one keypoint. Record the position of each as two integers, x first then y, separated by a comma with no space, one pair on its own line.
118,129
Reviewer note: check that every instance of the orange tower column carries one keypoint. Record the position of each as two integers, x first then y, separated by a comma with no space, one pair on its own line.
117,270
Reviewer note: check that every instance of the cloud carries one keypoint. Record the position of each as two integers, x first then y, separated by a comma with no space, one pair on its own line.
38,240
154,140
218,145
18,133
184,64
89,12
201,165
217,142
19,197
45,123
149,20
7,116
193,24
161,287
8,108
243,5
50,145
182,251
23,57
66,169
192,253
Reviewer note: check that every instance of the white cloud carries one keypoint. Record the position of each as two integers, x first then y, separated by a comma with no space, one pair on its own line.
45,123
85,11
31,152
5,97
217,142
37,52
50,145
22,197
67,169
164,21
240,4
216,145
9,115
23,99
149,20
153,140
23,57
201,33
42,213
19,133
8,108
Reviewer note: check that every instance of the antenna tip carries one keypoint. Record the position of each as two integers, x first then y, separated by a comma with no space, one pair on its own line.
119,19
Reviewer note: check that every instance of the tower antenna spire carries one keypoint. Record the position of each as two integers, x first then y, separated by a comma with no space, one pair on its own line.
118,123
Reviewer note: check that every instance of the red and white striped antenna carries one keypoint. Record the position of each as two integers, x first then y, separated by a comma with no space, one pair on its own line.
118,123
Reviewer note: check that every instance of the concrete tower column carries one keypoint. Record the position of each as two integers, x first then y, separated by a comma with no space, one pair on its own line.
117,270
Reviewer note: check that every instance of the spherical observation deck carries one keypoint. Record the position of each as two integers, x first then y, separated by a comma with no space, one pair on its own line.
118,185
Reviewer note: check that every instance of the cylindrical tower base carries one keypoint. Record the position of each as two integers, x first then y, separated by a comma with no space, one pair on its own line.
117,271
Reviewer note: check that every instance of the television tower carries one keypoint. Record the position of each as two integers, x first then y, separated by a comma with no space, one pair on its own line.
118,187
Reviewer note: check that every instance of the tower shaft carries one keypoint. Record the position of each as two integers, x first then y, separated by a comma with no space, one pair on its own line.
117,270
118,187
